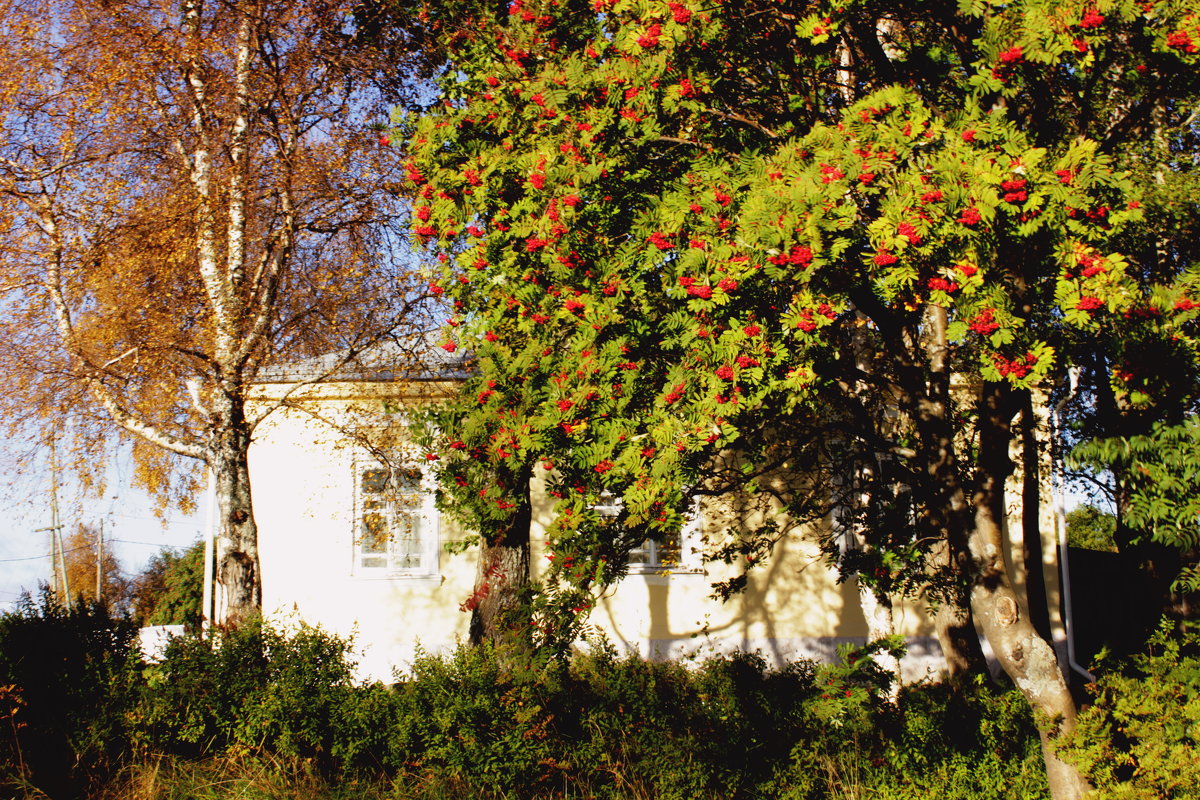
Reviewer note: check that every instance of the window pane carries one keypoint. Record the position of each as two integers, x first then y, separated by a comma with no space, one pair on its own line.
375,534
653,554
407,480
374,481
668,551
391,519
407,538
641,556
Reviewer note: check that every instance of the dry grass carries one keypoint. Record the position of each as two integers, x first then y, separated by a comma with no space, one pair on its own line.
234,778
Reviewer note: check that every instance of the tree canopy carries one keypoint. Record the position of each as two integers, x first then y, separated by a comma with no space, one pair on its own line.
188,193
1089,528
1158,478
81,550
670,228
170,590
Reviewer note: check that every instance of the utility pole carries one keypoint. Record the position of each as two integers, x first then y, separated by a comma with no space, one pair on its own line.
100,564
58,564
56,525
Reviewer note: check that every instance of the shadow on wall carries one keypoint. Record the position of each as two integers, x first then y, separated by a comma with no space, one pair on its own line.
792,605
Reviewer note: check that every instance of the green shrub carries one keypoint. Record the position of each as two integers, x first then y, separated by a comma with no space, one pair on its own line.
938,742
1141,736
259,689
602,727
282,710
70,677
719,730
193,697
642,724
465,717
960,742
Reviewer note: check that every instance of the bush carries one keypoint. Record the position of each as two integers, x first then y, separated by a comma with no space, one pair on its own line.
282,709
603,726
69,679
945,741
259,689
720,730
465,717
960,742
1140,738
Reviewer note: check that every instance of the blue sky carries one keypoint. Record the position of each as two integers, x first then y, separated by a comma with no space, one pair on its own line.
130,526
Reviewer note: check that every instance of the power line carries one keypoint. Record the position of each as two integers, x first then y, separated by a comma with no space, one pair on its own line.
89,547
151,544
43,555
151,519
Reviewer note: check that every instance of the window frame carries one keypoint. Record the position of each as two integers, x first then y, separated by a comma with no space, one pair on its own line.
689,560
424,510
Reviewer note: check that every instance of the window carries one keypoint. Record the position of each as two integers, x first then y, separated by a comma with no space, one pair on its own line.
395,521
652,556
675,552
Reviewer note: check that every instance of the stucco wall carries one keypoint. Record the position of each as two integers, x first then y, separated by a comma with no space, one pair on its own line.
303,471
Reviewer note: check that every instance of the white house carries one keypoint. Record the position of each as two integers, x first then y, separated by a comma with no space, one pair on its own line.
359,547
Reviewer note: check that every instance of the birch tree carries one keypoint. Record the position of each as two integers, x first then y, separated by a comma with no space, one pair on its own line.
188,192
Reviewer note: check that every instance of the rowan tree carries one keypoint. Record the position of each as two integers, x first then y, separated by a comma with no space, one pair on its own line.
752,209
1156,476
188,193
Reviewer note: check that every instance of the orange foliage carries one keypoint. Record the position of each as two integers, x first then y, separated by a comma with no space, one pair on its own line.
188,193
79,554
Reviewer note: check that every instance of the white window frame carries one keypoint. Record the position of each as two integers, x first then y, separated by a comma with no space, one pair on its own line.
419,505
689,560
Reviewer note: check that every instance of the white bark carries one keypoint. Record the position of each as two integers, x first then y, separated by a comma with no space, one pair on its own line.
239,122
880,625
876,607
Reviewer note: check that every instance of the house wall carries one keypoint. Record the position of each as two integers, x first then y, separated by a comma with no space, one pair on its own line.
302,471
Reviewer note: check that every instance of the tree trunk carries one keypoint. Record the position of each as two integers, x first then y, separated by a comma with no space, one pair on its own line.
949,560
503,578
1026,657
238,576
863,475
954,625
1032,475
953,622
878,612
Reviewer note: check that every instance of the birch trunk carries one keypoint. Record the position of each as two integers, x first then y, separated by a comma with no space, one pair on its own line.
880,624
239,586
232,215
